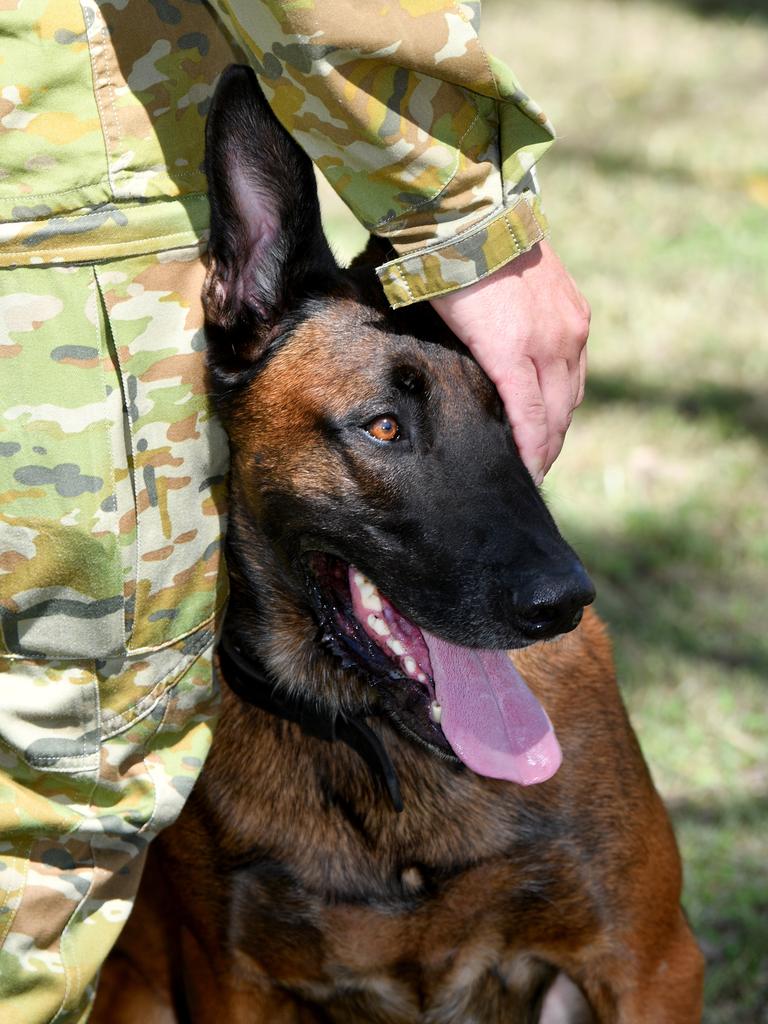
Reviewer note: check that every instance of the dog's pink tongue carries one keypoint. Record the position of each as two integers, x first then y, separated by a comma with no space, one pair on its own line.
491,719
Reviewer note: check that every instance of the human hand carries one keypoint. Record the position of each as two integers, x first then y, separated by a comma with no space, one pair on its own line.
527,325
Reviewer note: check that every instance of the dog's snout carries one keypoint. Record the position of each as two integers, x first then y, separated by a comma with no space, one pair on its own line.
556,604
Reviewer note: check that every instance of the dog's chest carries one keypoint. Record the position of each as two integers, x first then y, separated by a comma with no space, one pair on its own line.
369,916
420,945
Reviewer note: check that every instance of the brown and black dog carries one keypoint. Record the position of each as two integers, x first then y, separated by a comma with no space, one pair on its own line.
386,547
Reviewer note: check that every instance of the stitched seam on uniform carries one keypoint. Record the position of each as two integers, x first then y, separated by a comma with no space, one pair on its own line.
180,636
12,917
60,257
131,469
170,694
144,707
73,915
44,758
126,174
522,109
95,78
431,199
85,708
75,967
148,703
72,831
60,192
148,766
490,72
111,94
96,216
130,205
99,739
113,724
486,62
514,237
54,758
399,270
114,426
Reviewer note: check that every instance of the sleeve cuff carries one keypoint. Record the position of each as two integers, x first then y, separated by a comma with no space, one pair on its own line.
467,257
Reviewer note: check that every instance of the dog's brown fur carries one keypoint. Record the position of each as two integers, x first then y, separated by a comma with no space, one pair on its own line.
445,913
289,891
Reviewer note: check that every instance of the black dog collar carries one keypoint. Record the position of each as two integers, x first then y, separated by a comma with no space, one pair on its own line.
249,681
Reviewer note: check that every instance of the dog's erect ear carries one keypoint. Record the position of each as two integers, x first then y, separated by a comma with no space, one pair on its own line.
267,244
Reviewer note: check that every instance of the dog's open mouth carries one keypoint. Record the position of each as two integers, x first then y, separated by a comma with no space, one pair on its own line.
460,701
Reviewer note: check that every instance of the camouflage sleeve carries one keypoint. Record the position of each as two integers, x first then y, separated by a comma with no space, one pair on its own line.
428,138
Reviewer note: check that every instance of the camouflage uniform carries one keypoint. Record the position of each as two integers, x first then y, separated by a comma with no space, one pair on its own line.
111,465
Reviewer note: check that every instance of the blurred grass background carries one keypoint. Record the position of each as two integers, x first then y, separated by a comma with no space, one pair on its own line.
658,197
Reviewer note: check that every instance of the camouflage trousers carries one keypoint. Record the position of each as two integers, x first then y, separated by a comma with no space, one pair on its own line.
112,474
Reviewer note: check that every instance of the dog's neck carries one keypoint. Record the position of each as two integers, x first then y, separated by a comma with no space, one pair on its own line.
267,673
249,679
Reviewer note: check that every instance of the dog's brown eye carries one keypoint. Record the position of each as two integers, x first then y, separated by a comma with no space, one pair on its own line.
385,428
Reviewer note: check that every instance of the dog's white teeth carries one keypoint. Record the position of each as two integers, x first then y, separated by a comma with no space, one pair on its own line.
396,647
371,601
378,625
435,712
369,594
384,622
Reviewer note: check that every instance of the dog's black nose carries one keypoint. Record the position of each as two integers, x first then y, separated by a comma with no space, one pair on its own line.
555,604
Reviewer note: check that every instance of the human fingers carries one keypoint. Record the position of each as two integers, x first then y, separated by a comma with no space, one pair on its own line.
516,322
526,410
555,381
582,377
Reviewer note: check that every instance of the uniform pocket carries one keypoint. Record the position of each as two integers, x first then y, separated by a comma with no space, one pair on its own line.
61,576
112,465
178,451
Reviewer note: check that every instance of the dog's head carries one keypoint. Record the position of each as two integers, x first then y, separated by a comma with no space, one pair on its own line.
383,521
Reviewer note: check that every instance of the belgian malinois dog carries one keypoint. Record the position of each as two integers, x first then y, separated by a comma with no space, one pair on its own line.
384,831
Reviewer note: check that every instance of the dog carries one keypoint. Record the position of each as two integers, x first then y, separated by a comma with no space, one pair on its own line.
398,822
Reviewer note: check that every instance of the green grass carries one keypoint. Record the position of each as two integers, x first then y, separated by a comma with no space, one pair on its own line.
658,197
